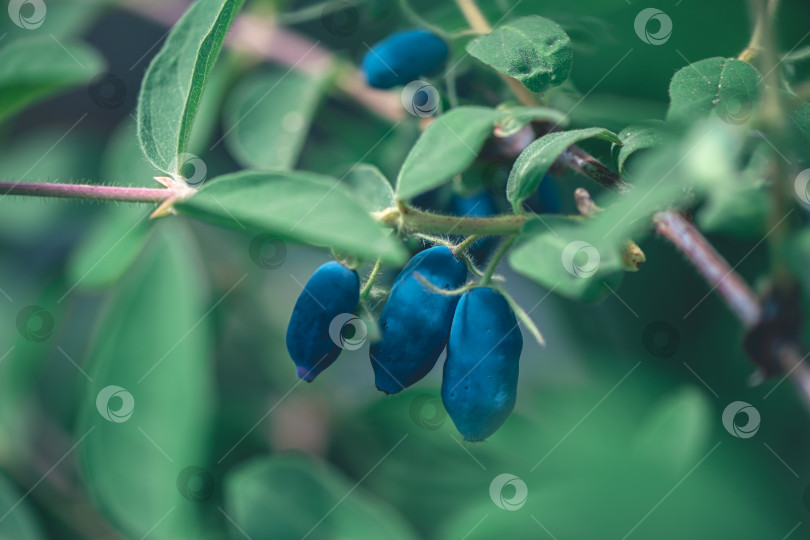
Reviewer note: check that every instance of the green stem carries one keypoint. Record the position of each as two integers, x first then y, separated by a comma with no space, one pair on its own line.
370,281
460,248
411,220
496,258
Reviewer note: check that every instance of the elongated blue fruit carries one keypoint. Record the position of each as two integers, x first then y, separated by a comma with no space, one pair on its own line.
479,385
314,341
403,57
415,321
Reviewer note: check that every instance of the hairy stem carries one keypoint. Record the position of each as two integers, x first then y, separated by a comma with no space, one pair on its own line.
90,192
372,277
711,265
408,219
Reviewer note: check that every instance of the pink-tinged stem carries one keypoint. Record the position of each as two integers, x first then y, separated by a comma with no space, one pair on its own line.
83,191
711,265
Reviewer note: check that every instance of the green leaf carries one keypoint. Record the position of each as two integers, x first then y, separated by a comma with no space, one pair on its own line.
296,205
725,86
19,522
639,137
533,50
267,117
370,187
120,232
32,69
535,161
154,344
174,81
294,497
451,143
567,256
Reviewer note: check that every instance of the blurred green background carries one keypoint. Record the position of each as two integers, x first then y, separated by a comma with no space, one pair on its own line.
617,431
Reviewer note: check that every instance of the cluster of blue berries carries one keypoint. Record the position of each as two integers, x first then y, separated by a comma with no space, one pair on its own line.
478,328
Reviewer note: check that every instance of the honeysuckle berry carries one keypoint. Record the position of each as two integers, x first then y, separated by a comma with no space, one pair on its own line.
403,57
479,205
333,290
479,384
415,321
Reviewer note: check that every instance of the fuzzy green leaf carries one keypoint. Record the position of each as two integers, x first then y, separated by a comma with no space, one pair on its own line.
639,137
370,187
452,142
535,161
533,50
299,206
728,87
174,81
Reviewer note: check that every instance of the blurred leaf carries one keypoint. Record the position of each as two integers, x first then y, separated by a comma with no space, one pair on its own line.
173,84
451,143
535,161
24,81
120,232
19,522
300,206
800,116
296,497
149,403
639,137
370,187
267,117
573,259
675,433
726,86
533,50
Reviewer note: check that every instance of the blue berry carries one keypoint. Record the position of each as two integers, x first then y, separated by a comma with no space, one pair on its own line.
403,57
479,386
331,291
416,321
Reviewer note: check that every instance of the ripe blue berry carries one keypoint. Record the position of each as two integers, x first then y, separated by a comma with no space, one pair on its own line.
331,291
479,386
416,321
403,57
479,205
